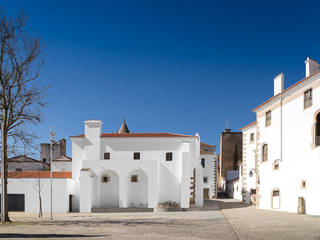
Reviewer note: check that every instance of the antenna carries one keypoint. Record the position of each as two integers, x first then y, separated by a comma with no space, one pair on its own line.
227,124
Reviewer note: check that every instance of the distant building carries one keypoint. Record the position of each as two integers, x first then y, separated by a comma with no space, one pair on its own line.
209,159
230,154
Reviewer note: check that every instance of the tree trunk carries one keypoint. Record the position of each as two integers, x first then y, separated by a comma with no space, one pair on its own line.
40,207
4,195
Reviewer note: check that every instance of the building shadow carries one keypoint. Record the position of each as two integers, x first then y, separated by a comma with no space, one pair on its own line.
227,203
56,235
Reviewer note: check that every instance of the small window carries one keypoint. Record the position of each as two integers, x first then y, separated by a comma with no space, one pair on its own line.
265,153
18,169
308,98
205,179
136,156
106,156
303,184
134,178
44,160
105,179
276,193
169,156
203,162
317,130
251,137
268,118
276,166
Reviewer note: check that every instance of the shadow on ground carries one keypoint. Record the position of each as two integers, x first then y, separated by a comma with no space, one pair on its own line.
225,203
23,235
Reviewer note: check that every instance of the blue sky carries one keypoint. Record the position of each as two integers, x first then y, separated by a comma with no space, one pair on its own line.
167,66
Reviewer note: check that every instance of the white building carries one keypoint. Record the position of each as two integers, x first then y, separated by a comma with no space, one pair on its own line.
288,145
209,159
248,166
125,169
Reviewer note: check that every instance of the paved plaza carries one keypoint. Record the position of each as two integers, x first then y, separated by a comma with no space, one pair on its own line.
233,221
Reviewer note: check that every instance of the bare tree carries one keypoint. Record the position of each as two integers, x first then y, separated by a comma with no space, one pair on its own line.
21,99
38,187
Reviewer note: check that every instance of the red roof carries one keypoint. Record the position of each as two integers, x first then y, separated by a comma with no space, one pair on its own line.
140,135
249,125
279,94
40,174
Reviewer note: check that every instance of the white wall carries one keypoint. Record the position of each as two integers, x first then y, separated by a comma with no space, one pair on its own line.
248,162
62,188
209,171
300,158
164,180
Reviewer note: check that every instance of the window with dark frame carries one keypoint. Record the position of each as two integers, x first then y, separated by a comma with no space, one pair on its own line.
169,156
106,156
275,193
317,130
276,166
251,137
136,156
265,152
303,184
18,169
268,118
205,179
308,98
203,162
105,178
134,178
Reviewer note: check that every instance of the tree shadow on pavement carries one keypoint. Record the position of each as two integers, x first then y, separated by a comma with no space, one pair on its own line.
24,235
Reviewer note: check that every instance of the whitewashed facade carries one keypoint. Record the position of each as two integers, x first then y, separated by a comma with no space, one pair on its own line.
107,173
248,167
209,167
288,145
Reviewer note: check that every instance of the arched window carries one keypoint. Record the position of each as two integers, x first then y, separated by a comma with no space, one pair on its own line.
317,136
105,178
265,153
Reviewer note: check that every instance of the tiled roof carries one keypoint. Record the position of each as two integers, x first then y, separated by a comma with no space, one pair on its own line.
203,152
249,125
202,144
124,135
40,174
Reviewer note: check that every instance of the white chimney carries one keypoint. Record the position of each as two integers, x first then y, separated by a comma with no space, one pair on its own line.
278,84
311,66
92,132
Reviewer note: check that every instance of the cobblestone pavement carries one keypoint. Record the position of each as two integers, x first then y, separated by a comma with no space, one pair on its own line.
233,221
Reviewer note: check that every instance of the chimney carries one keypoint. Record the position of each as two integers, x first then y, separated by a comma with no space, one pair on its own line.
92,132
278,84
311,66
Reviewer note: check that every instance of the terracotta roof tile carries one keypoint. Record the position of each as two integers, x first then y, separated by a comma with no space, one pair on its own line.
40,174
140,135
249,125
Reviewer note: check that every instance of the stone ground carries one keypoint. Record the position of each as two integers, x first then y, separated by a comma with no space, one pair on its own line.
233,221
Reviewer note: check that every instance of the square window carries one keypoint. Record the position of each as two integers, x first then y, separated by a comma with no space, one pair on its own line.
136,156
134,178
205,179
106,156
276,166
169,156
308,98
268,118
105,178
203,162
